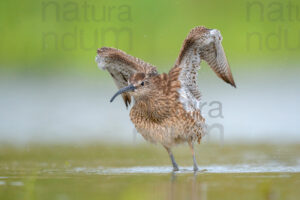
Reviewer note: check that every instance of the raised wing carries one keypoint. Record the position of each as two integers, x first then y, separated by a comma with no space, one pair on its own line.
201,43
214,55
121,66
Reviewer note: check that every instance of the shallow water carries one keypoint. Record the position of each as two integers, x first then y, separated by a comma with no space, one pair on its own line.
101,171
203,169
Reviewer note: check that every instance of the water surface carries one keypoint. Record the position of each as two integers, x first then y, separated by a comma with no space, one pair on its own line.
99,171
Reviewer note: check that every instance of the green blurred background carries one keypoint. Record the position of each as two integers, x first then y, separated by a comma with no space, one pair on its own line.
64,35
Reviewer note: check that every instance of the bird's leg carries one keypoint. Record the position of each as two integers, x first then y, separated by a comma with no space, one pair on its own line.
191,144
175,166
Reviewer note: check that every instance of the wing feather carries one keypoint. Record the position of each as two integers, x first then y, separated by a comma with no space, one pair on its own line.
121,66
215,57
201,43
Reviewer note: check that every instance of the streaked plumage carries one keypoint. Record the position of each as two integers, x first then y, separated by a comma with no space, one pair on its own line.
166,108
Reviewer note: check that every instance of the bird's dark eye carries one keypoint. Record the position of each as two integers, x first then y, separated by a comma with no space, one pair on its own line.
142,84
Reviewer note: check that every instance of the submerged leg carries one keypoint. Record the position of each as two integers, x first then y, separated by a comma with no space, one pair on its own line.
191,144
175,166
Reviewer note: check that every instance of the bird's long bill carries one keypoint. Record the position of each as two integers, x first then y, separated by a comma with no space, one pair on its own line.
124,89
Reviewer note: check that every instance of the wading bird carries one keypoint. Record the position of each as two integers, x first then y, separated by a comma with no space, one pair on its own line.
166,106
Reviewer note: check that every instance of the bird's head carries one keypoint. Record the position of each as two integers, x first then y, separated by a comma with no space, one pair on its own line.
138,85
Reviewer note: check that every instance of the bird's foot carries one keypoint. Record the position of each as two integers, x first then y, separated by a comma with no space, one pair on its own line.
175,169
196,168
175,166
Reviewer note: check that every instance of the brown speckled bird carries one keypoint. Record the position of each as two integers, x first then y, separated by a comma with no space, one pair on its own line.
167,108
